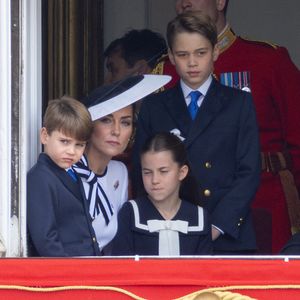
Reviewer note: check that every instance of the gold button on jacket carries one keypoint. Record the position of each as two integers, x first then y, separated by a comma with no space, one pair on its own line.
207,193
207,165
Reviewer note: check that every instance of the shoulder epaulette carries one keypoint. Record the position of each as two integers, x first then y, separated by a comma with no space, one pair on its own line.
159,67
260,42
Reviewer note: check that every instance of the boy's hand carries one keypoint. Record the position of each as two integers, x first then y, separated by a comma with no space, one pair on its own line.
215,233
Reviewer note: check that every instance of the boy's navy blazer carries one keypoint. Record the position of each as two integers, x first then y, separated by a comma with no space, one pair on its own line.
57,216
223,150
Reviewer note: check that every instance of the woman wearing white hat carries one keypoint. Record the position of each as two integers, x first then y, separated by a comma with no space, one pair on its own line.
105,181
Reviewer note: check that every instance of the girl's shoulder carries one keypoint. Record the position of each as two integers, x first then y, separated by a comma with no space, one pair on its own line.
188,206
137,205
133,205
194,214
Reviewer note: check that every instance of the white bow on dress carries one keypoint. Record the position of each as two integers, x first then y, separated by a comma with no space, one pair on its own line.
168,235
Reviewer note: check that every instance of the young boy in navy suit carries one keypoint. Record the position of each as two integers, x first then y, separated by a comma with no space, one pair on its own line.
218,127
57,217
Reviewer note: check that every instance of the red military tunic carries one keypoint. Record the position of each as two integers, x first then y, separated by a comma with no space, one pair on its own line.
274,81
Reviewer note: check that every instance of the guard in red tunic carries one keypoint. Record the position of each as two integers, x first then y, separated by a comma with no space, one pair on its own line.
269,74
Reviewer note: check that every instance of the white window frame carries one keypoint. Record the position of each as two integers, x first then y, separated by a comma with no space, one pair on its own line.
12,230
31,104
5,121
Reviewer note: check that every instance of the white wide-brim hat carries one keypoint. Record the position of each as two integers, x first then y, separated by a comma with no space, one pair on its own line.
110,98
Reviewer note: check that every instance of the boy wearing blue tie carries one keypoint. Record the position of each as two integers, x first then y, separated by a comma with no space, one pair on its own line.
57,217
218,127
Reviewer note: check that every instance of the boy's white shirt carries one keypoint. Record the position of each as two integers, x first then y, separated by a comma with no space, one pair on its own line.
202,89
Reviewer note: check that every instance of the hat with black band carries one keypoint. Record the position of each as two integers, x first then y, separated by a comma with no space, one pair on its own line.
110,98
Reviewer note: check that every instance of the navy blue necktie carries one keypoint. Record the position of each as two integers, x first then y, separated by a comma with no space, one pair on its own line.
193,106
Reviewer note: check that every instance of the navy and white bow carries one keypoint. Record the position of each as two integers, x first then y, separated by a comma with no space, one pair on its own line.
94,193
168,241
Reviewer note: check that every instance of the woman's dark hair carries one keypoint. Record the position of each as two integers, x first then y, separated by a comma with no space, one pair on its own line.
165,141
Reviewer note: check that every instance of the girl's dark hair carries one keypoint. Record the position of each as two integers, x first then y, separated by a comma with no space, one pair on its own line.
165,141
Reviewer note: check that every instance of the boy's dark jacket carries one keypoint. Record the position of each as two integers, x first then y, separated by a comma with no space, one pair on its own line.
57,217
223,150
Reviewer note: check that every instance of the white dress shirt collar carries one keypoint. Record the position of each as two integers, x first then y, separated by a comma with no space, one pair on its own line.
202,89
